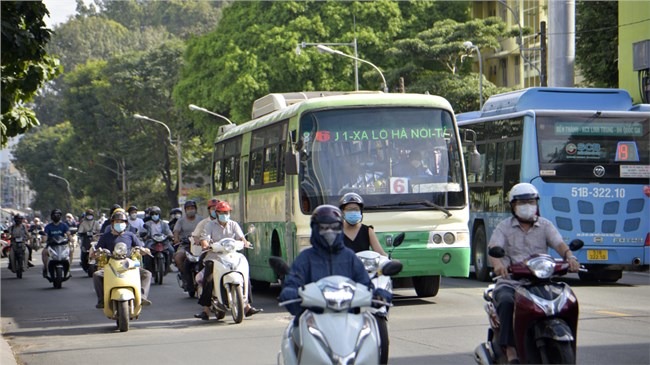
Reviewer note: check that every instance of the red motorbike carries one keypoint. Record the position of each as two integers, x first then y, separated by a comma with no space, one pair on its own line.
545,315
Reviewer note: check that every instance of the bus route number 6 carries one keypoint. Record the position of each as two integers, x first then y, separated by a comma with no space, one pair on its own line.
399,185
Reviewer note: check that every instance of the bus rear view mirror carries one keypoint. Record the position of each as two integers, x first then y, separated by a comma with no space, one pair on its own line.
291,163
469,138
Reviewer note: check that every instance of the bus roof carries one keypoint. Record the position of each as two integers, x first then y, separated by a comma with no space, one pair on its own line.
333,100
553,98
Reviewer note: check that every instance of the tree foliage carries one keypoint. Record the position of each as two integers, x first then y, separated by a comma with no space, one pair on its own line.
25,64
597,42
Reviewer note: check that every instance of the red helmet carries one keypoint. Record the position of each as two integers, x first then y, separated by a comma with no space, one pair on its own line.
213,203
223,207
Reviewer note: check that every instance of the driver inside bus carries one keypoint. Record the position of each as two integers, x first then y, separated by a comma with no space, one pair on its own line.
412,165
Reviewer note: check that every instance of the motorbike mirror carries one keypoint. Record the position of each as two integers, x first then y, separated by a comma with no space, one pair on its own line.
399,239
251,229
576,244
391,268
497,252
279,266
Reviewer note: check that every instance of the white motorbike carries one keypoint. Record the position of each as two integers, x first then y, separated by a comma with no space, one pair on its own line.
339,333
230,275
374,263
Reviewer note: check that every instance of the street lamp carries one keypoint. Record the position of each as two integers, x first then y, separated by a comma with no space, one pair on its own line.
67,183
198,108
178,149
469,47
351,44
119,166
324,49
520,40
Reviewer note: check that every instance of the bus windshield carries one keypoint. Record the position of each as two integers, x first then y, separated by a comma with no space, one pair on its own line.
395,157
594,148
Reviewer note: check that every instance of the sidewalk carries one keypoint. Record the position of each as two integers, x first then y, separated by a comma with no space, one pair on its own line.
6,355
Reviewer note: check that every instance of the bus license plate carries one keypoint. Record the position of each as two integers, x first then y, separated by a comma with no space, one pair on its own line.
598,255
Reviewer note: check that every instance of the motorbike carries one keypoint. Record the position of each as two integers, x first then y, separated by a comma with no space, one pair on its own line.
545,314
122,289
86,239
4,242
374,262
335,327
160,257
58,267
230,275
36,242
192,258
18,256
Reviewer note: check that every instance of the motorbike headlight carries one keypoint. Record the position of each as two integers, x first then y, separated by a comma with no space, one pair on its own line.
120,249
543,267
370,264
229,245
338,297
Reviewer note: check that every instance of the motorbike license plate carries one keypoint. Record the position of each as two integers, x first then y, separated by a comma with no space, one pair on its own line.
596,255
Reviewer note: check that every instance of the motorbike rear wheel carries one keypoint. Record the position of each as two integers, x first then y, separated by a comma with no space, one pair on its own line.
159,269
558,352
237,303
123,316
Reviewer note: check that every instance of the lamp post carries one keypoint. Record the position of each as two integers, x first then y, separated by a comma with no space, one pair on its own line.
120,166
67,183
199,109
469,46
324,49
520,40
351,44
178,149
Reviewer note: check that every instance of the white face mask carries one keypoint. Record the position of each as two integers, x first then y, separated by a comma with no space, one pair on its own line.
526,212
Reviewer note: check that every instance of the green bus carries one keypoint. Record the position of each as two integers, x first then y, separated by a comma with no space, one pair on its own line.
400,152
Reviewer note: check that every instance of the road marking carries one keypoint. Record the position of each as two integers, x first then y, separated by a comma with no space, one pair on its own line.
613,313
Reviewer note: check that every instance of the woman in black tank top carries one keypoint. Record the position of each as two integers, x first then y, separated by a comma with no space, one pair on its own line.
356,235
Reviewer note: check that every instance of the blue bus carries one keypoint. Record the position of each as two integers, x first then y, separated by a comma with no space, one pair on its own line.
587,151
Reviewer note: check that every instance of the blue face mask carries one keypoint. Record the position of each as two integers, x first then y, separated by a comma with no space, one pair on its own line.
119,227
352,217
213,214
155,218
224,218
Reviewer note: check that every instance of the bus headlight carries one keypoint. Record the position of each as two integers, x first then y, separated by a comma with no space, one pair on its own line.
437,238
449,238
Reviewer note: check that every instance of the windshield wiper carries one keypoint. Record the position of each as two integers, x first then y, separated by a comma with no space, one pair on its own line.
428,203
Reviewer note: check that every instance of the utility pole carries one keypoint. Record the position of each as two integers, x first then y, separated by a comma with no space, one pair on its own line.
542,43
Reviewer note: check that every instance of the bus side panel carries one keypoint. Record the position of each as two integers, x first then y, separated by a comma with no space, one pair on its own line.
264,207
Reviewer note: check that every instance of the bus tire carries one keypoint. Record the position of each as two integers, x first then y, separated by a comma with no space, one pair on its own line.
479,254
260,286
426,286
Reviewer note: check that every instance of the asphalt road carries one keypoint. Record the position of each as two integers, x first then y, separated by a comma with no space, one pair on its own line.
49,326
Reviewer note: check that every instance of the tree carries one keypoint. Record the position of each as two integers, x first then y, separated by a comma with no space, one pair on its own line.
597,42
26,66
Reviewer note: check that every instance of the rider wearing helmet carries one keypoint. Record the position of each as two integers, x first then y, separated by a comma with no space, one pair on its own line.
107,222
134,221
174,215
57,228
356,235
523,234
215,230
70,221
326,256
19,230
155,226
118,233
182,232
212,215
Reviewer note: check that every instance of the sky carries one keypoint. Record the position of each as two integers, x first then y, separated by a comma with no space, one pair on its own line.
60,10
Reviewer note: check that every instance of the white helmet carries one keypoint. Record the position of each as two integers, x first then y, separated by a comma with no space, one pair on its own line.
523,191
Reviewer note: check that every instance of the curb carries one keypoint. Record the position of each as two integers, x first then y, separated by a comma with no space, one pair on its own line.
6,354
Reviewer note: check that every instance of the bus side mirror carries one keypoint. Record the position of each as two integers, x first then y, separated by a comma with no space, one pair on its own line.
474,162
291,163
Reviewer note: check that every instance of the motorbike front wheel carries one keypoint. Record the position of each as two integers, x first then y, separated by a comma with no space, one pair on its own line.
557,352
58,277
382,324
123,316
236,303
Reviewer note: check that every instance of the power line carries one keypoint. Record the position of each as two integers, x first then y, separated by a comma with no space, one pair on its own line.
601,29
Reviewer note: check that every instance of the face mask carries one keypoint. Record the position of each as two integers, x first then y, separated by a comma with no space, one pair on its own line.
56,218
89,217
119,227
133,216
155,218
224,218
213,214
526,212
178,216
353,217
330,236
190,213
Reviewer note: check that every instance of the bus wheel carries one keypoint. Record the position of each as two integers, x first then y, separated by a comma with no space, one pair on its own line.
426,286
479,256
259,285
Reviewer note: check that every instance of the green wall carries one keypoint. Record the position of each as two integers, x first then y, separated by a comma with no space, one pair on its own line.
636,13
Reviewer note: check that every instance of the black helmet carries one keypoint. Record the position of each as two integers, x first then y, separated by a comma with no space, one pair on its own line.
351,198
326,214
189,203
90,212
175,211
154,210
56,213
114,207
132,208
18,218
118,214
